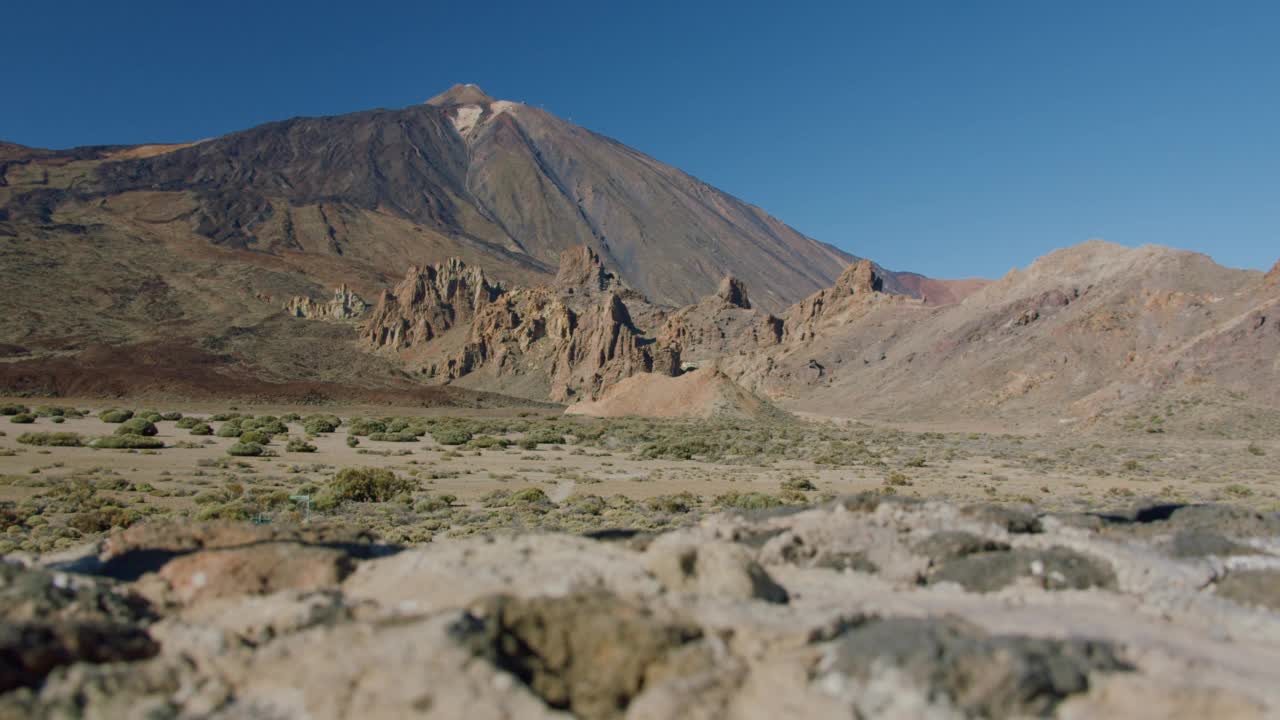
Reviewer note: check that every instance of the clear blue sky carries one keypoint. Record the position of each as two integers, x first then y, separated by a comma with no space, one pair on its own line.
952,138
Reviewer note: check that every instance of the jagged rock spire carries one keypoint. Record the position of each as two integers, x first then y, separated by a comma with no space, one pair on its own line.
733,292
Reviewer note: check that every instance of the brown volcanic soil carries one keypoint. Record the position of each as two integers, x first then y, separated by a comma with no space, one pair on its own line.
177,371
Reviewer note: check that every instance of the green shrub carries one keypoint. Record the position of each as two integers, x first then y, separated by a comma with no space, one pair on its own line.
368,485
319,424
488,441
352,441
51,439
22,419
57,419
137,426
798,484
230,429
545,436
186,423
49,411
115,415
299,445
151,415
14,410
246,449
201,429
528,497
747,501
267,424
127,442
673,504
171,416
366,426
103,519
255,437
451,435
393,437
435,503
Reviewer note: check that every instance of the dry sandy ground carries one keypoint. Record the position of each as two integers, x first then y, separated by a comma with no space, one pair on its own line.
1069,471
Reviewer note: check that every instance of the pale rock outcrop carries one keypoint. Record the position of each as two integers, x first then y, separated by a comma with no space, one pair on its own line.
733,292
345,305
427,303
579,332
721,324
604,348
582,271
858,289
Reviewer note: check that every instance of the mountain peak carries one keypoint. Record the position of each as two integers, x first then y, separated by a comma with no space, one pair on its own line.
461,94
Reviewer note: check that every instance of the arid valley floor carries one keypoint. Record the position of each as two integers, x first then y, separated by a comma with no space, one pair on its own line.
529,563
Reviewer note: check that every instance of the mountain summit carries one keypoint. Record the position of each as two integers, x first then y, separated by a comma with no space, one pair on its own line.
461,94
505,186
202,245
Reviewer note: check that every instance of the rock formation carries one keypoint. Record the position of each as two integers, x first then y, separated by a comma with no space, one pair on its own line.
577,335
427,303
733,292
345,305
582,271
857,289
1273,277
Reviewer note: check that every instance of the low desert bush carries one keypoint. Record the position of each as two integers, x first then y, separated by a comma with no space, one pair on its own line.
127,442
368,485
451,435
365,426
747,501
51,439
318,424
14,410
246,449
798,484
403,436
22,419
201,429
115,415
255,437
544,436
137,426
299,445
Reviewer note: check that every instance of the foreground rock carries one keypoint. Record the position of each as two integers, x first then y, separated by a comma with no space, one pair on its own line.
869,607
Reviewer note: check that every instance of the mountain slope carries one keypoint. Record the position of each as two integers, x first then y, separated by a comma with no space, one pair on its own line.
508,184
1091,331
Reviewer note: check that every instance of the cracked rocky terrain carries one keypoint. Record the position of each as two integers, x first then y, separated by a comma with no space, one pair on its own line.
866,606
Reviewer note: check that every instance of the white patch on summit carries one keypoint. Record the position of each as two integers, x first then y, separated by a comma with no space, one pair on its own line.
466,119
501,106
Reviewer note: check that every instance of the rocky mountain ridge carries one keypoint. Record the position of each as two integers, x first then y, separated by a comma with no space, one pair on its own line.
1145,323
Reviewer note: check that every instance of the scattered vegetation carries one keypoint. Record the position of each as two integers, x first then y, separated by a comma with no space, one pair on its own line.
115,415
51,439
127,442
137,426
368,485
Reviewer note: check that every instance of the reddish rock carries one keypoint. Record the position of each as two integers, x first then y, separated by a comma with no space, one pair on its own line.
581,270
427,303
733,292
258,569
